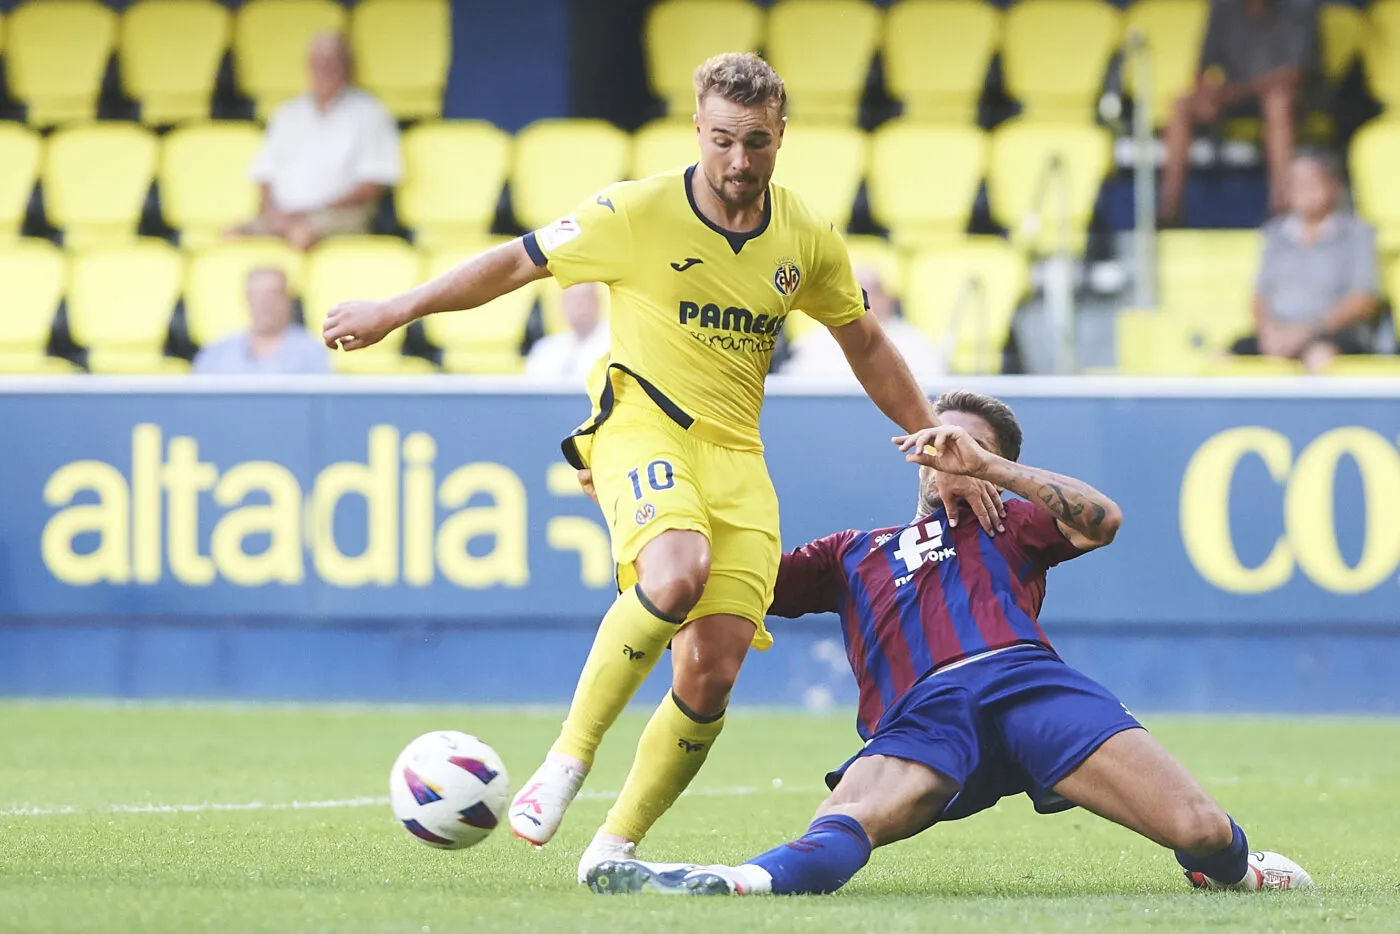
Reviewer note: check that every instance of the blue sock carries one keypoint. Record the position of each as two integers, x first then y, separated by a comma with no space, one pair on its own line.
1227,866
831,851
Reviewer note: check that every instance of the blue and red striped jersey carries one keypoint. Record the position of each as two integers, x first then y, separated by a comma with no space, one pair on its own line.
921,596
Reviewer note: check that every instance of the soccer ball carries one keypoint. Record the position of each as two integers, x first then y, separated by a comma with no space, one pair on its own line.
449,789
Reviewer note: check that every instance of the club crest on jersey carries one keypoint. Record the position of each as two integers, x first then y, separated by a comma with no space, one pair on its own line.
786,277
558,233
645,513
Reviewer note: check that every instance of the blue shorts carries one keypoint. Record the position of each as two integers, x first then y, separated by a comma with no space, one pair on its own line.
1015,722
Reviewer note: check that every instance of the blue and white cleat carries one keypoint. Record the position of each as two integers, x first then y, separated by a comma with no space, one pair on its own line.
631,876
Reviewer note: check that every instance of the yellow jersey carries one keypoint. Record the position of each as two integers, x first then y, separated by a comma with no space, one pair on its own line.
696,310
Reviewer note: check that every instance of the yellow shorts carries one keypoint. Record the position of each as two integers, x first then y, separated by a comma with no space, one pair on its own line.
651,476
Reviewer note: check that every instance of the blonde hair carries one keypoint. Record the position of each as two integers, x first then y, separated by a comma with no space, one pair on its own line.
740,78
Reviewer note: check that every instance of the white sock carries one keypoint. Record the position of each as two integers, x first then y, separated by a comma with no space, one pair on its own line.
754,879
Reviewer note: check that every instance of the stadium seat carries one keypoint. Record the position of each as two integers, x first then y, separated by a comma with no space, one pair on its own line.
1383,366
1343,33
343,268
56,53
204,183
965,299
485,340
270,40
824,165
823,49
1022,187
1174,31
1227,365
680,34
551,299
923,180
20,150
96,178
1381,52
877,252
33,275
120,300
1054,54
1156,343
936,56
664,145
1206,278
453,175
170,52
558,163
1375,152
215,305
402,51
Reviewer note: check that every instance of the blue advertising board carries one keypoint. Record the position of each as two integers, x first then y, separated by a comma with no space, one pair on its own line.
1258,507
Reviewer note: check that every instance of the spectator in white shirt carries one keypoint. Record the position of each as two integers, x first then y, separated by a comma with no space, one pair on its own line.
327,157
273,344
816,353
570,355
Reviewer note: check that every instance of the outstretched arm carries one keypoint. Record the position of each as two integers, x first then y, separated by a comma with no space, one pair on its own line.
884,374
1088,518
486,276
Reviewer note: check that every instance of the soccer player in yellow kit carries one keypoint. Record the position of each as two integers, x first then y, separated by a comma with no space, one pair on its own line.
704,266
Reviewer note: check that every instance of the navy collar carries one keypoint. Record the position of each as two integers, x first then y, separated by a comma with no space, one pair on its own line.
736,239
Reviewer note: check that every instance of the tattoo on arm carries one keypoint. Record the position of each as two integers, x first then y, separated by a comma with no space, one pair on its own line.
1074,502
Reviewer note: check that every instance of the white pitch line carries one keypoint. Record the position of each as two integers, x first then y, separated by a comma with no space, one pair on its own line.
737,791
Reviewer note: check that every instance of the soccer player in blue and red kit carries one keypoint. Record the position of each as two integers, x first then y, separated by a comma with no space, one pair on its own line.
962,699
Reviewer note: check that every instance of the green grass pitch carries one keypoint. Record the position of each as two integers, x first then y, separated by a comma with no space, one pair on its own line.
77,854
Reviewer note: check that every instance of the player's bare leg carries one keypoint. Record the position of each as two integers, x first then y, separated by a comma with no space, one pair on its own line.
880,800
671,572
706,656
1134,781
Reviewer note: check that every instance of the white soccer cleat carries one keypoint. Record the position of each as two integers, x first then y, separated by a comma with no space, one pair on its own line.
538,810
631,876
1267,872
604,849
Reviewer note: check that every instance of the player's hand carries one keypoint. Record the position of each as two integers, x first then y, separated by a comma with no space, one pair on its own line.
947,448
981,497
357,324
585,480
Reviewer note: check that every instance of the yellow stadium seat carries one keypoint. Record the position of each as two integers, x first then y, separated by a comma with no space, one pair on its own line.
120,300
1054,55
270,42
170,52
1022,153
402,52
56,53
551,299
823,48
215,305
204,183
96,178
1375,153
558,163
344,268
1173,31
1206,278
453,175
1227,365
1156,343
1378,366
936,56
33,275
36,365
20,149
1381,52
1343,32
965,298
923,180
482,340
878,254
680,34
824,165
664,145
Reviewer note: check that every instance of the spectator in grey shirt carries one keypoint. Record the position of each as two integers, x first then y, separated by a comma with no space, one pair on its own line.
1317,288
273,344
1258,56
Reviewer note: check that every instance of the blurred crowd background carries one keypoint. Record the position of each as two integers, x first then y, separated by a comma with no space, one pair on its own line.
1183,187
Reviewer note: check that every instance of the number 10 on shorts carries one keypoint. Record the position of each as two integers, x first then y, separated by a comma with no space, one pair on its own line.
659,476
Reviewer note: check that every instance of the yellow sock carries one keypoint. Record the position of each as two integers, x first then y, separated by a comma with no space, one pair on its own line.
669,754
631,638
